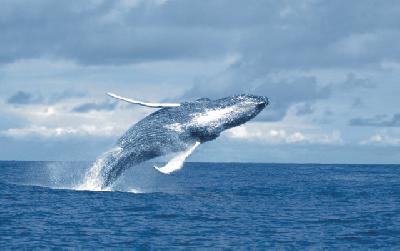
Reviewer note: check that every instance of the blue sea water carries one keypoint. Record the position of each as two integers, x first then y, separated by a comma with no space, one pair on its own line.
204,205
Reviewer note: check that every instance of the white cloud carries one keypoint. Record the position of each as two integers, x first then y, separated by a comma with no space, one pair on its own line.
46,132
390,65
272,134
47,121
381,139
355,44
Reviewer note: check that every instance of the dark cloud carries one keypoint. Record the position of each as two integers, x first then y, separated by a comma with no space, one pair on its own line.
278,47
354,82
304,109
282,94
103,33
358,103
66,94
273,34
377,121
28,98
268,37
24,98
88,107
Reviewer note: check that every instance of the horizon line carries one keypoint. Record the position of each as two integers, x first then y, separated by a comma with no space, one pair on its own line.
223,162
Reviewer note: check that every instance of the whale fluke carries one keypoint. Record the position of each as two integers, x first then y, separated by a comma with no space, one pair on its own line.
147,104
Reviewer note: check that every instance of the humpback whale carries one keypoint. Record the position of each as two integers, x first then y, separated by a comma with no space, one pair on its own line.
176,128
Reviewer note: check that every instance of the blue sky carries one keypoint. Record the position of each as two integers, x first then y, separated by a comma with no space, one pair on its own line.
330,68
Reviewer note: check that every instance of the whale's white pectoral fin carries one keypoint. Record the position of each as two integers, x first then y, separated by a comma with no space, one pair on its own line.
152,105
176,163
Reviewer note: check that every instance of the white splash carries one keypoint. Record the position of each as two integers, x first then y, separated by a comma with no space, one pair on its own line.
93,178
135,190
176,163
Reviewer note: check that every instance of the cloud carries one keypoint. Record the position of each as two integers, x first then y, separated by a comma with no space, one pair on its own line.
9,120
354,82
357,103
308,57
101,33
24,98
51,132
66,94
270,135
377,121
28,98
304,109
272,34
282,93
381,139
88,107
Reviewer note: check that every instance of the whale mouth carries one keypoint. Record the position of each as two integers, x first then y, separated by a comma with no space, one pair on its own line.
261,105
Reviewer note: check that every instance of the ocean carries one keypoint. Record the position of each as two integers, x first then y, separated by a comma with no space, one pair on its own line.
204,205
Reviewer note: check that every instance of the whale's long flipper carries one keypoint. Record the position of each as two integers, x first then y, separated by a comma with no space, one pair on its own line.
152,105
176,163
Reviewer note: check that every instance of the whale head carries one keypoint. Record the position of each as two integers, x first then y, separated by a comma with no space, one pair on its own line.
221,114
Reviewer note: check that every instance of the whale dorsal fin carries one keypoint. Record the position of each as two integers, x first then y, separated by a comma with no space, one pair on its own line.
152,105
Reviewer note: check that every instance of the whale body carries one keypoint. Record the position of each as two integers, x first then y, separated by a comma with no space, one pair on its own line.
175,128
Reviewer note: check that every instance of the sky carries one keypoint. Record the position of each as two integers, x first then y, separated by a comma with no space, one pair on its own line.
331,70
